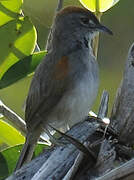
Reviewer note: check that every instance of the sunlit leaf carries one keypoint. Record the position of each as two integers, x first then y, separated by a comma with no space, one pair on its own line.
9,135
18,38
98,5
9,157
21,69
9,10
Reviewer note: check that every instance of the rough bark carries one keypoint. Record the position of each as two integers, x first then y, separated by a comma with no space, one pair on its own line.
122,117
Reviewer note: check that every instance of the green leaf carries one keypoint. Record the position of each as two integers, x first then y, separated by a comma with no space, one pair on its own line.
9,135
98,5
18,38
21,69
9,157
9,10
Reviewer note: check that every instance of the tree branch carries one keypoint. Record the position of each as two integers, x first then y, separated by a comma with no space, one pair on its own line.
57,161
122,116
17,121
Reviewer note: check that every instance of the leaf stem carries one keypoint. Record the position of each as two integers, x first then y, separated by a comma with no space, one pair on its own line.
95,43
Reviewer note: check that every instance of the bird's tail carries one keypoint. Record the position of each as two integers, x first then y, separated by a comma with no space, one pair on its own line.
27,151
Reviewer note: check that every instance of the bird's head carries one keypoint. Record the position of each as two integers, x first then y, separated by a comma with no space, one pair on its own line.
73,24
80,20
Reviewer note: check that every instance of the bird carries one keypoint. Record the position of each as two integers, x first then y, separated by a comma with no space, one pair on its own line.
65,83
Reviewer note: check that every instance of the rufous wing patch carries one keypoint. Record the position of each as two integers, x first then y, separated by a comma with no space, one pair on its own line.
61,68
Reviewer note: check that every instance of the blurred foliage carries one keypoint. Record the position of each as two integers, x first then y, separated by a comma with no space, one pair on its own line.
18,39
9,157
17,34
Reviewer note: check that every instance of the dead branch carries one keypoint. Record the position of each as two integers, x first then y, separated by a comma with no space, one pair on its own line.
122,117
57,161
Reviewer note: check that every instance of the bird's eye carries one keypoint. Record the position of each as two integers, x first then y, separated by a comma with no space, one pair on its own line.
85,20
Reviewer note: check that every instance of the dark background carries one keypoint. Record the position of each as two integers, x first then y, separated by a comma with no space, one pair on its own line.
112,49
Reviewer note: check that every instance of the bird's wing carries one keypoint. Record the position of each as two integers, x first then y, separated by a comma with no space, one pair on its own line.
47,87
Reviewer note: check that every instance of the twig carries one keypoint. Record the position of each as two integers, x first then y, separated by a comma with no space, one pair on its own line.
95,42
17,121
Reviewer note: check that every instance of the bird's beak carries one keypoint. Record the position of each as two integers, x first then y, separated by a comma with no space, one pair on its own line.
104,29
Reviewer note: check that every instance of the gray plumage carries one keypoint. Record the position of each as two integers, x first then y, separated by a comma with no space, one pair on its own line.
65,84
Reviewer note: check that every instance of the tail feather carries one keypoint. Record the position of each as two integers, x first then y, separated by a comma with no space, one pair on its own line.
26,153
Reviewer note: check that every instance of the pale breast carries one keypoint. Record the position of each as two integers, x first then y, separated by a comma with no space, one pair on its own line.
81,92
75,104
